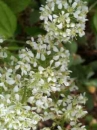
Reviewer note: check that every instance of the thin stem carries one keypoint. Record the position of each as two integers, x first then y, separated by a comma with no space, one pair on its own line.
24,94
92,6
16,41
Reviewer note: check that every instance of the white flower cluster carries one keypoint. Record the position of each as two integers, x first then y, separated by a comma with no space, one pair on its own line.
64,19
36,87
15,116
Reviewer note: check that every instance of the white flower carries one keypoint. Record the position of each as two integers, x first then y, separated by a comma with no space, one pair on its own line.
33,88
1,40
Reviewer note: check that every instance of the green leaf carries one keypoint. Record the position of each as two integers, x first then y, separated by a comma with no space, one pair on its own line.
89,102
42,2
95,20
75,60
17,5
92,82
81,72
34,16
34,31
8,21
94,127
34,4
72,47
93,65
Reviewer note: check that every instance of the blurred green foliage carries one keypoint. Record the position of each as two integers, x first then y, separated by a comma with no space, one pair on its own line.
19,20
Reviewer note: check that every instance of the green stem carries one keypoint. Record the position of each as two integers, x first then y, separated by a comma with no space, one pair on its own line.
92,6
24,94
16,41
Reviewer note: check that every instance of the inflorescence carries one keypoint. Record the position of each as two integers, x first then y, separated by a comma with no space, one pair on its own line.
35,86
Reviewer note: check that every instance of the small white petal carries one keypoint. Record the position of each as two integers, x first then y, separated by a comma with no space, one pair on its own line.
42,57
1,40
56,57
70,1
57,64
17,67
48,52
51,62
41,81
49,79
65,5
18,112
2,84
27,107
59,128
60,6
34,122
64,34
39,103
53,89
74,4
62,68
72,123
55,16
60,26
72,25
63,12
10,81
68,20
50,17
16,89
30,54
41,17
55,49
32,39
35,64
40,68
38,55
30,100
17,97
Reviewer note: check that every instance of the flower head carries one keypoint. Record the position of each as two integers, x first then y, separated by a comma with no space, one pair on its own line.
64,19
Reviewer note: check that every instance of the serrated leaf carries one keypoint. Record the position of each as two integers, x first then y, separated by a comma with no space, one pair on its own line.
8,21
17,5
